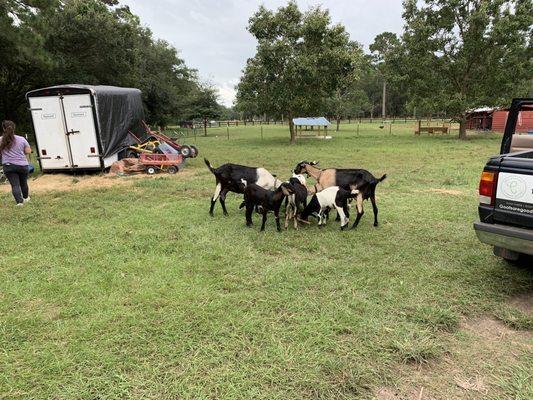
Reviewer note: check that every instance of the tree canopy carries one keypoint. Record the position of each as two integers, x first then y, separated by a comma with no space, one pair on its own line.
460,54
301,60
100,42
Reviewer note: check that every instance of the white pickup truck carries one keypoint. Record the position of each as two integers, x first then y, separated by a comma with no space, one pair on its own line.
506,193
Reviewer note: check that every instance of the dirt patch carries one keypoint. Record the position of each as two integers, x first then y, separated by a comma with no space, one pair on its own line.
65,183
487,328
450,192
524,303
48,312
470,370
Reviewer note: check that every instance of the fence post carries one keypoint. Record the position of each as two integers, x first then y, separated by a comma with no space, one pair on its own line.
261,133
227,129
390,128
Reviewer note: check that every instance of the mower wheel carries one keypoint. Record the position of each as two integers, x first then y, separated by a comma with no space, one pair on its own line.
194,151
172,169
185,151
151,170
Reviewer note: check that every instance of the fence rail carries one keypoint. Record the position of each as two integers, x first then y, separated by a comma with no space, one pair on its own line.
393,120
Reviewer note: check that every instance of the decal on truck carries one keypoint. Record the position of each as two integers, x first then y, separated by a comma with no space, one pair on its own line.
515,193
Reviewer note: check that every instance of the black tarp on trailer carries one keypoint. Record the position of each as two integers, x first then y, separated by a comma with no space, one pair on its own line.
117,110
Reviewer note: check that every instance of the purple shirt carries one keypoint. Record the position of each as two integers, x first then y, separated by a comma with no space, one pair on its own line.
15,154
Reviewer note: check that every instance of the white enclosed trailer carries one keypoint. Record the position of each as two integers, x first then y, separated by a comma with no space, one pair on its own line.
81,127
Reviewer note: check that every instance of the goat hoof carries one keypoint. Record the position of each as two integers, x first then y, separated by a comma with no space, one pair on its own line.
375,224
344,227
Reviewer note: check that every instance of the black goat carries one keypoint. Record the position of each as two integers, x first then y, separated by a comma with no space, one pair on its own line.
228,179
265,200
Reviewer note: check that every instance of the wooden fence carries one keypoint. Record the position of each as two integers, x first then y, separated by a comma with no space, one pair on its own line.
388,120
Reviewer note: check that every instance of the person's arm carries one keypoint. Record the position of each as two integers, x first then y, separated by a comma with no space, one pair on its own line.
27,147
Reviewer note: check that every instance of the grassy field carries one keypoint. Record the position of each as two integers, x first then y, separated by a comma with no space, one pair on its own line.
133,291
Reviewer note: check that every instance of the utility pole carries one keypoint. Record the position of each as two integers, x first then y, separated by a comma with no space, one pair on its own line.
383,106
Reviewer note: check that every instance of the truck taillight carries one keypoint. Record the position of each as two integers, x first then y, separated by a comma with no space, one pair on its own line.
487,187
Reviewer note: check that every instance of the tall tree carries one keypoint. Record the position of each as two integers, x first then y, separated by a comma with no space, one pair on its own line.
385,49
204,105
466,53
301,60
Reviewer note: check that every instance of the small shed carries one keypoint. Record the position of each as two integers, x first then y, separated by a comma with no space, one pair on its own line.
480,119
310,123
494,119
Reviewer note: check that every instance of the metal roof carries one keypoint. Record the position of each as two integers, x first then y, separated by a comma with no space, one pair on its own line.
315,121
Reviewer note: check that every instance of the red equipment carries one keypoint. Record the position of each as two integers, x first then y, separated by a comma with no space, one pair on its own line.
155,162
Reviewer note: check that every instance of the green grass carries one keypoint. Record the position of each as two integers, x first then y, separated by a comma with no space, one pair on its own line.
135,292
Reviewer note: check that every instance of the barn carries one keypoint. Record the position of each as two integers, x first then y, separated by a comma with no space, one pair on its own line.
524,124
494,119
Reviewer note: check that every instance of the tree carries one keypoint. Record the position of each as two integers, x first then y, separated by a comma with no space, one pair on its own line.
204,105
385,47
49,42
301,60
460,54
24,62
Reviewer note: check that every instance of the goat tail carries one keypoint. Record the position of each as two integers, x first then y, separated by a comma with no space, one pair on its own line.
382,178
209,165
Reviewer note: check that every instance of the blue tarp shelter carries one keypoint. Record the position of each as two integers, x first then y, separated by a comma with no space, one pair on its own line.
311,123
315,121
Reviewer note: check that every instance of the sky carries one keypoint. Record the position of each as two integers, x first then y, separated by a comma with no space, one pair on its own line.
211,35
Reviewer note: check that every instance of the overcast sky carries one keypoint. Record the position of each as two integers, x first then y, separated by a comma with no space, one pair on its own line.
211,35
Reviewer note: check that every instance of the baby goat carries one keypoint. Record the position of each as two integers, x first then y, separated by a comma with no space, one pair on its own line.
265,200
331,197
297,201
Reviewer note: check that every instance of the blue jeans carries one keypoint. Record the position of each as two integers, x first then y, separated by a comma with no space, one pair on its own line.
17,175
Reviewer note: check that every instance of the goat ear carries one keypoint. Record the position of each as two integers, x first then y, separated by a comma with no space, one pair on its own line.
285,191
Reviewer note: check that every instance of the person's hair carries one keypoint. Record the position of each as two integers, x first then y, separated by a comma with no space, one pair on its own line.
8,137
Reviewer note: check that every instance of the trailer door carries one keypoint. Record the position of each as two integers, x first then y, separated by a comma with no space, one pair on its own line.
49,126
81,131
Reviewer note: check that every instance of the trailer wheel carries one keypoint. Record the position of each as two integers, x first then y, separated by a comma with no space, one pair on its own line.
172,169
194,151
185,151
151,170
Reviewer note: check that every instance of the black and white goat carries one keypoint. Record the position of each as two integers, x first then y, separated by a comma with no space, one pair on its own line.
297,201
331,197
264,200
228,179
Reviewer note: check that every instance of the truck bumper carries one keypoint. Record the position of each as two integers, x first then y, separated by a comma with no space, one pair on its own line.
507,237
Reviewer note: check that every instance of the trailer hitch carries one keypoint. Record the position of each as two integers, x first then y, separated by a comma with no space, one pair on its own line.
72,132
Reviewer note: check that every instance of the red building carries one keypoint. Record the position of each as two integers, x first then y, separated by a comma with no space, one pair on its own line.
494,119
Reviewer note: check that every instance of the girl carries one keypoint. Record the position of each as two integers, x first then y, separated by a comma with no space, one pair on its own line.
13,151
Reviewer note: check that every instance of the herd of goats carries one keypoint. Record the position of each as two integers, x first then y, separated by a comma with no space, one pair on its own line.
334,189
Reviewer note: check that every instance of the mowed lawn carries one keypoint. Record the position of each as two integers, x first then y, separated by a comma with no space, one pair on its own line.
134,291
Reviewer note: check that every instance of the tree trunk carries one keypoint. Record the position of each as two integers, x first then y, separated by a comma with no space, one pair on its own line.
292,130
338,122
462,127
205,126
